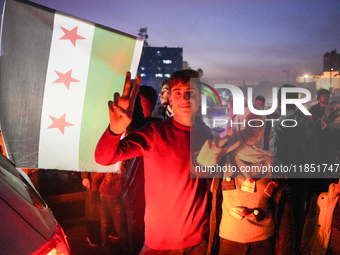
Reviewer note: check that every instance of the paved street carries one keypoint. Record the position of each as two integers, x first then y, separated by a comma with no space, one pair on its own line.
65,196
71,218
76,237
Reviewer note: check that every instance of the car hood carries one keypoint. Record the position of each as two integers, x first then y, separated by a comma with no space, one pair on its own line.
25,219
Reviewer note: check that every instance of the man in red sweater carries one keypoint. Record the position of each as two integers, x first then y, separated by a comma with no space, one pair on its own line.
176,216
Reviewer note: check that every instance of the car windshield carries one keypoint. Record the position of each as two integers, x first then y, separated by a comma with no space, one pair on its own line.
9,174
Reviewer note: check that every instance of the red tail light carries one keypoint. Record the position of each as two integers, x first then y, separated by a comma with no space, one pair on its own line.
57,245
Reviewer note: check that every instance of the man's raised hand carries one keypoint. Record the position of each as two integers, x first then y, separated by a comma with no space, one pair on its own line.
211,152
121,108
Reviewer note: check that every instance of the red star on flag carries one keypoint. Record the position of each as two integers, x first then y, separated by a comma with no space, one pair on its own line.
71,35
65,78
59,123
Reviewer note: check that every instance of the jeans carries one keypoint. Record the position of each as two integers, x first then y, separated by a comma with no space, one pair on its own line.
265,247
199,249
92,216
113,215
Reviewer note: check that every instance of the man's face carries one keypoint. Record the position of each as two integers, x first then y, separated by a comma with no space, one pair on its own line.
164,94
324,98
185,99
259,103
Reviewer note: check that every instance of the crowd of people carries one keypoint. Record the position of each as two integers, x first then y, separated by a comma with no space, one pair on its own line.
157,202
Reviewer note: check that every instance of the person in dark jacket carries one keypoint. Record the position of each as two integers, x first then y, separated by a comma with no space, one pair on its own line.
318,110
133,188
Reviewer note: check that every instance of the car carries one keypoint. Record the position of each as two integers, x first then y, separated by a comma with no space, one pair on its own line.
28,226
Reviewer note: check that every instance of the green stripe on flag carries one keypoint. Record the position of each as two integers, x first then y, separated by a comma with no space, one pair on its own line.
111,58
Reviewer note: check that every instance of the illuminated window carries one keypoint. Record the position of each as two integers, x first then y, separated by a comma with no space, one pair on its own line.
159,75
142,75
142,68
167,75
167,61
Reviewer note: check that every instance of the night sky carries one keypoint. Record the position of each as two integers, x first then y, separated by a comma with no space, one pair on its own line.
227,39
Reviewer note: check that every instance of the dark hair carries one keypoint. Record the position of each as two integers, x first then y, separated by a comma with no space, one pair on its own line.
321,92
261,98
184,77
164,83
138,119
149,93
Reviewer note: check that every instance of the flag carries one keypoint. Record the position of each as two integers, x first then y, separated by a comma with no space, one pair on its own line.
57,74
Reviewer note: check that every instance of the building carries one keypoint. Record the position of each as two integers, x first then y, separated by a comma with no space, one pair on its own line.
158,63
331,61
330,78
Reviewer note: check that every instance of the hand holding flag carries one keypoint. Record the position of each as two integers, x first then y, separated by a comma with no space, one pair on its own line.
121,109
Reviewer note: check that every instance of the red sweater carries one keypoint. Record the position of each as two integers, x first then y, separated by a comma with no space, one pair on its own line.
176,215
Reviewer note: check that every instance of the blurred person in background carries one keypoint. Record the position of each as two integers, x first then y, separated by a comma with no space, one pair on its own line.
113,216
165,110
330,136
321,233
133,189
260,101
318,110
92,210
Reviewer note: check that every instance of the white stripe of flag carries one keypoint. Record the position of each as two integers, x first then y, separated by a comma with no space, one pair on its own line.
67,56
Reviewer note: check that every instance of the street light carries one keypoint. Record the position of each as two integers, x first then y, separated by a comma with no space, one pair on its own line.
306,77
330,79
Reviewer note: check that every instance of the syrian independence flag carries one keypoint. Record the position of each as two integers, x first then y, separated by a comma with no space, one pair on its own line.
57,74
